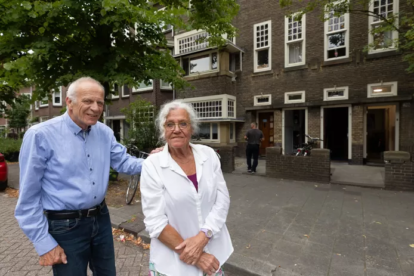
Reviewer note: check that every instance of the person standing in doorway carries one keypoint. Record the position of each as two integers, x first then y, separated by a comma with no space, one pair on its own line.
253,137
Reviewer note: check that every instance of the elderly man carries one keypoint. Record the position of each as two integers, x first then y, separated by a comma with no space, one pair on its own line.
253,137
64,170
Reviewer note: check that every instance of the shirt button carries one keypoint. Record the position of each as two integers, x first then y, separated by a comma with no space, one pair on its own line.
91,169
88,155
93,183
95,197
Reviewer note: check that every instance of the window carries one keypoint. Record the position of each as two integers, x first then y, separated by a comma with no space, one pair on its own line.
125,91
262,46
230,108
263,100
36,105
385,89
117,90
382,41
165,27
200,64
44,102
208,109
295,41
212,107
209,132
336,93
336,36
191,41
165,85
295,97
232,133
57,97
143,87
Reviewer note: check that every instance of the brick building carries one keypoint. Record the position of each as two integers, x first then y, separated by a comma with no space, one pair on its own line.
299,77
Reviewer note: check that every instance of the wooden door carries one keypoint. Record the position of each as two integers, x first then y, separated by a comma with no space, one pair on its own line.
266,125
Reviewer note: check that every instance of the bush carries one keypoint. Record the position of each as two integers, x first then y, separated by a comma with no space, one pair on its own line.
10,148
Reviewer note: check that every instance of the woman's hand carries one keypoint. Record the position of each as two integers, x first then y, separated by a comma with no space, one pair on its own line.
208,264
157,150
192,248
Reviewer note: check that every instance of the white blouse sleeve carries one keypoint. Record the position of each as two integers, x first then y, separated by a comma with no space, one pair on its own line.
218,214
153,202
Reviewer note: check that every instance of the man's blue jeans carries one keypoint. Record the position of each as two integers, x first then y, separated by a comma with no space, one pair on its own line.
85,240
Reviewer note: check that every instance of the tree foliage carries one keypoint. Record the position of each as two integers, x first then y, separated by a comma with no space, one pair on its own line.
402,21
141,116
18,115
51,43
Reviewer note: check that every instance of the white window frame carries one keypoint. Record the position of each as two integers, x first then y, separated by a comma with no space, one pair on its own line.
303,40
302,100
256,49
147,88
30,97
394,89
256,100
327,33
36,104
169,86
53,95
44,105
163,24
203,72
123,91
371,23
211,133
344,97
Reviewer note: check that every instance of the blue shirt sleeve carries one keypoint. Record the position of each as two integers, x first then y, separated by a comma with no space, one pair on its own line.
122,162
29,210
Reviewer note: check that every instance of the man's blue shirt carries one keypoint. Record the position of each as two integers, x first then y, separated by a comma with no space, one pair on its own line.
63,167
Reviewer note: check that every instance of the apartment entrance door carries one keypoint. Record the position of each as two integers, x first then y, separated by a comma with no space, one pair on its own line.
381,126
266,126
336,132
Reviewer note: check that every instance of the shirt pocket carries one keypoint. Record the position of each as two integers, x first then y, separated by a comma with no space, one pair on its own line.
62,226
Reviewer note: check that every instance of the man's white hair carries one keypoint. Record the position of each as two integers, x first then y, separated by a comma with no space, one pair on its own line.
71,94
173,105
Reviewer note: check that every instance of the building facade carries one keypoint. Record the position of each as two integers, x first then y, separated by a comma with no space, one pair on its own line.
305,76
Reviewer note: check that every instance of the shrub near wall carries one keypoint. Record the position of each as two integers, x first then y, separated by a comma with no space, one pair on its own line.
10,148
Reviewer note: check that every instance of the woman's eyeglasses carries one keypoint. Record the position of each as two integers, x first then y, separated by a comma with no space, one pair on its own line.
181,125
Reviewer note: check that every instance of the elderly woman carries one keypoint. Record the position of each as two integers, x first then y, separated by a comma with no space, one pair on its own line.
185,200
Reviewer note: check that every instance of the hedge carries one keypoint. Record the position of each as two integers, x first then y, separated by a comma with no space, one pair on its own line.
10,148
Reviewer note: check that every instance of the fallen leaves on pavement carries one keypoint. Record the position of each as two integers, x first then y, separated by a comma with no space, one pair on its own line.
12,192
412,245
121,236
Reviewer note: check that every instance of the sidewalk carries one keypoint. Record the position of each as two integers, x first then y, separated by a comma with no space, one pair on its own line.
281,227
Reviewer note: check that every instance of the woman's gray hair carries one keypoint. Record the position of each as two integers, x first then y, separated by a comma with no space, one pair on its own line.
71,93
173,105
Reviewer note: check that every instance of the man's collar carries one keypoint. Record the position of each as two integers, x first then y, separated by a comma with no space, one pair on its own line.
74,128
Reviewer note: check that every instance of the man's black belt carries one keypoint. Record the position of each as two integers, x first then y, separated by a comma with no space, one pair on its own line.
72,214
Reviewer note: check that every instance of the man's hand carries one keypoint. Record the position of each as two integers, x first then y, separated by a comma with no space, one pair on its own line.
55,256
208,264
157,150
193,248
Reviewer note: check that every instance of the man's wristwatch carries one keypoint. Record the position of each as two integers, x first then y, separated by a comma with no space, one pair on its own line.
209,233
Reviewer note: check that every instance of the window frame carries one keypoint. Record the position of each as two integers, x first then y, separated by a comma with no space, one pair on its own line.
302,100
44,105
303,40
123,91
61,94
346,30
394,89
343,88
257,97
36,104
211,134
256,50
371,23
232,127
147,88
169,87
198,55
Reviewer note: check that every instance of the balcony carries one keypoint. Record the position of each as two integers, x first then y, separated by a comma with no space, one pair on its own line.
195,41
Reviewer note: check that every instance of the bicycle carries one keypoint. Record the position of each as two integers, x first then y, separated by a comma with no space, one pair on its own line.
134,179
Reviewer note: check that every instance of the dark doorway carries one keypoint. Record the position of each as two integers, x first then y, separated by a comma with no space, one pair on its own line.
116,127
336,132
295,127
266,126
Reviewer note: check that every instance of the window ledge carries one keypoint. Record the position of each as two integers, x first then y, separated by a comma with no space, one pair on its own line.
295,68
125,97
201,76
386,53
257,74
142,91
337,61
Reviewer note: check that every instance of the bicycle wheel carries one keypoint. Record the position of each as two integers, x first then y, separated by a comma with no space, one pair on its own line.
132,188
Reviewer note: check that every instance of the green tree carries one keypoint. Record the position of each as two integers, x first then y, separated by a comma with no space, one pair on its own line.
50,43
401,21
18,114
141,116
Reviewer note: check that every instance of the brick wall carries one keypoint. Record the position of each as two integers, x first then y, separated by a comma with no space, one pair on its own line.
399,170
407,127
315,167
357,135
227,154
314,122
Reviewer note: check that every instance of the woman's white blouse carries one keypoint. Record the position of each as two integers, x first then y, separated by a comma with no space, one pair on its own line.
169,197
